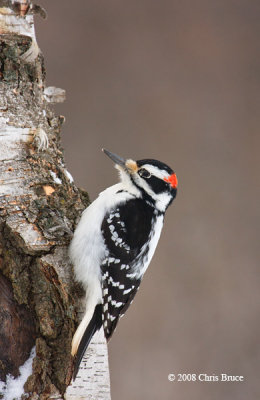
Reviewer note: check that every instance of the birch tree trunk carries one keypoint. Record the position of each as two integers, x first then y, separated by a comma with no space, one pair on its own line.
39,207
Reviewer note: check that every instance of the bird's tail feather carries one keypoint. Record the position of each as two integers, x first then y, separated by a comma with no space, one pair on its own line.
93,326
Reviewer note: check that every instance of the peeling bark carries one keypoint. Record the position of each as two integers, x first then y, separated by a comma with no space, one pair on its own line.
39,206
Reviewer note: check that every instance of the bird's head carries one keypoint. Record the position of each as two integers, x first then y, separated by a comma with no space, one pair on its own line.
153,180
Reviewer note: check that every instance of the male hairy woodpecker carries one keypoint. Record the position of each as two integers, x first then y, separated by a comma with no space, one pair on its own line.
114,242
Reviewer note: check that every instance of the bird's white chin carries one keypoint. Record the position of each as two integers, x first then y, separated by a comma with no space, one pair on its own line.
162,201
127,182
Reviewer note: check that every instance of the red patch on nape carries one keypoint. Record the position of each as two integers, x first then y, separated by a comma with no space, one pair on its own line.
172,179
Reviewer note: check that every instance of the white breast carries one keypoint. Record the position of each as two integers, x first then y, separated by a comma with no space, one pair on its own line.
87,249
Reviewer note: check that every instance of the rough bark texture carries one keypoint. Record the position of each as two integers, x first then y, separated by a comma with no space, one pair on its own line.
39,206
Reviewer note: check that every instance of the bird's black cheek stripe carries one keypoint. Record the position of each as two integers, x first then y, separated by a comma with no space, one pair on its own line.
157,185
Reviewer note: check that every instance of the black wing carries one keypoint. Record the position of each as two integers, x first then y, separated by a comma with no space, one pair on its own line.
126,230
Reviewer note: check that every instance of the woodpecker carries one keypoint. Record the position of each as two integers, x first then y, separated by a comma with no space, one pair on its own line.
114,243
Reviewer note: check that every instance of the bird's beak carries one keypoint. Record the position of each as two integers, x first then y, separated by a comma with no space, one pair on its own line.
118,160
129,165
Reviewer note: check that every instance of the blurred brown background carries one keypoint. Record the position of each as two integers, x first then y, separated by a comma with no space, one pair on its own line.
177,81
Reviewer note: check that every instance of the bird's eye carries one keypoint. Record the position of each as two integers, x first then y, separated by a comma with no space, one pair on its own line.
144,173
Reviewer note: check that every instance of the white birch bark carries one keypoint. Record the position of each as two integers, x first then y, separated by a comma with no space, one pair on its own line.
92,381
39,206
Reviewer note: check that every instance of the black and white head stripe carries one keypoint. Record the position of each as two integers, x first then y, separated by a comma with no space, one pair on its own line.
156,172
155,165
150,178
